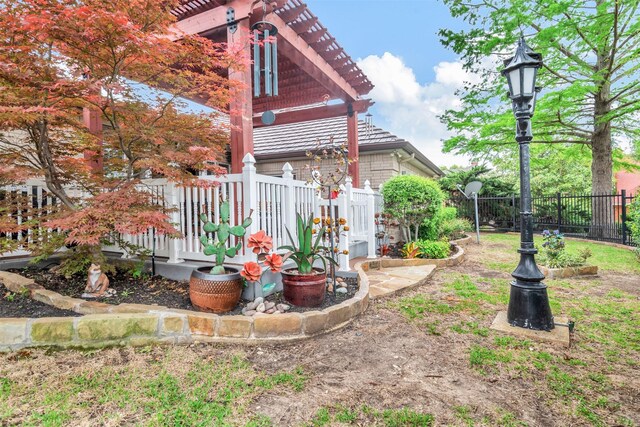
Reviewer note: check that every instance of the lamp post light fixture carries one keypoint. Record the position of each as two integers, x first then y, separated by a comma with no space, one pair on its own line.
528,301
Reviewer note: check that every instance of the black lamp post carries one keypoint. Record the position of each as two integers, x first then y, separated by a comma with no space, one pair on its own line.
528,302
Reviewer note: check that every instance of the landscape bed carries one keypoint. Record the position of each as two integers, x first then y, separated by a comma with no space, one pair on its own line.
146,290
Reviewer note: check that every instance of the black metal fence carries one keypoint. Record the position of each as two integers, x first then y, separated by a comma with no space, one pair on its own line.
595,217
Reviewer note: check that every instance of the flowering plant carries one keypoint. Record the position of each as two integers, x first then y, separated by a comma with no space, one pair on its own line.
554,255
261,244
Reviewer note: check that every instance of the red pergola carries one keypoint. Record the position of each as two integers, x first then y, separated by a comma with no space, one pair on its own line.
312,69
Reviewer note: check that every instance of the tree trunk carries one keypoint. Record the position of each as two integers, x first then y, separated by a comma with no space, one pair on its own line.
602,164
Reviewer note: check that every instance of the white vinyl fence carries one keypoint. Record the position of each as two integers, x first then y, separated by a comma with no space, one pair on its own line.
271,201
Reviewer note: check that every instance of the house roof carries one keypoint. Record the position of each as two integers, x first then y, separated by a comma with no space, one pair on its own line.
295,139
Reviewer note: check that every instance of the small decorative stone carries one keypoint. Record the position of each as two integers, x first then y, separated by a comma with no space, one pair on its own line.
283,307
329,287
261,308
340,280
258,301
251,306
341,290
249,312
271,310
269,305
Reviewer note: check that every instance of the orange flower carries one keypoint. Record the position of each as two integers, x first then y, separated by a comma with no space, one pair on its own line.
316,221
251,271
328,220
346,228
274,261
342,221
260,242
345,252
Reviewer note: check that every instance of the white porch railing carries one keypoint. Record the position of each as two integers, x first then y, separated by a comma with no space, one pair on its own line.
272,201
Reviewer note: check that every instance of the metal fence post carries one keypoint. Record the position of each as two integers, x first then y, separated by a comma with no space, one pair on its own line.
624,216
513,211
559,201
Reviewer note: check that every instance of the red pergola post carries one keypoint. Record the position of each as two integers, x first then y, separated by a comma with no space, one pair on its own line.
352,146
93,121
242,102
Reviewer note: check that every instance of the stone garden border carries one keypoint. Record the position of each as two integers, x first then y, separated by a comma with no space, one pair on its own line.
105,325
135,324
566,272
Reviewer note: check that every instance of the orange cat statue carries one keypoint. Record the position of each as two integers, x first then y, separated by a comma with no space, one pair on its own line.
97,283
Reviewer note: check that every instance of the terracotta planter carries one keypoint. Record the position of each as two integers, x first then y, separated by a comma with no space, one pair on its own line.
215,293
304,290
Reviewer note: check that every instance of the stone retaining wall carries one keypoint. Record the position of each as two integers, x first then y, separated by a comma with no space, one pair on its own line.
136,324
453,260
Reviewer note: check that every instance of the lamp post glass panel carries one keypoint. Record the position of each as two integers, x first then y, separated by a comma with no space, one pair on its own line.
528,301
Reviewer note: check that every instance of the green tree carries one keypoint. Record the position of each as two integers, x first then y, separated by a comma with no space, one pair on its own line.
411,199
591,87
493,184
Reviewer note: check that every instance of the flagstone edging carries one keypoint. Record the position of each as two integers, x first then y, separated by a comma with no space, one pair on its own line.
135,324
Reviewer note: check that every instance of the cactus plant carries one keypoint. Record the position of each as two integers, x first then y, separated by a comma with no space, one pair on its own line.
217,235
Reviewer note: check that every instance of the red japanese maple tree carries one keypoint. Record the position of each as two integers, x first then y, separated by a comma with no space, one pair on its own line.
60,57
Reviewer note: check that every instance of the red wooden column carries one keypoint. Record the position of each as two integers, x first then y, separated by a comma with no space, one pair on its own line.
242,102
352,141
92,120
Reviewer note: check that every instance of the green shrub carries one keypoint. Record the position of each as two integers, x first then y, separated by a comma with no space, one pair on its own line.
633,223
554,254
431,228
453,229
445,225
411,199
432,249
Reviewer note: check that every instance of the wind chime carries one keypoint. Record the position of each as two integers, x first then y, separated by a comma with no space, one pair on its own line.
265,46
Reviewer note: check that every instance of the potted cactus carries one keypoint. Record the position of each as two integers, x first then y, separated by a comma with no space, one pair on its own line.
218,289
305,285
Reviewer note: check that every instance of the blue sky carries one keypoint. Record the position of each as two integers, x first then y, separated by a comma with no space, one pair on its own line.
396,44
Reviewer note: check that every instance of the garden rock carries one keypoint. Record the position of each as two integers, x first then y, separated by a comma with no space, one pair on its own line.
249,312
341,290
283,307
261,308
258,301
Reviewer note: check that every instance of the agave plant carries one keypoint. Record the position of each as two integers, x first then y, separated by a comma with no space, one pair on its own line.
308,249
217,235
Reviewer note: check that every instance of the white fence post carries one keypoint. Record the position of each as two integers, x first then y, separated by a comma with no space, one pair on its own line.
343,209
348,214
371,226
290,203
250,198
173,199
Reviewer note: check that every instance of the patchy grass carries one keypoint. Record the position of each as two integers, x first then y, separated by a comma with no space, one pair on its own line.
365,415
606,342
607,258
213,392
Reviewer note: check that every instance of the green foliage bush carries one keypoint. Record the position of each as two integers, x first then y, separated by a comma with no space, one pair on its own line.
411,199
554,254
431,249
444,225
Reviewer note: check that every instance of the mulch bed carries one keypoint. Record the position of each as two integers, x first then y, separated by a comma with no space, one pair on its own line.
149,290
21,305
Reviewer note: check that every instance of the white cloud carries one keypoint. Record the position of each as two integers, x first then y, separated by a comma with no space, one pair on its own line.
409,108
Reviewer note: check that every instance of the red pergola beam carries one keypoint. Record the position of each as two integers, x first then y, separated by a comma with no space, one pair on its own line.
315,113
300,53
217,17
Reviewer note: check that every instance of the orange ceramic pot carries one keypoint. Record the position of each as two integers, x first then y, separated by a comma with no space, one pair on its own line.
215,293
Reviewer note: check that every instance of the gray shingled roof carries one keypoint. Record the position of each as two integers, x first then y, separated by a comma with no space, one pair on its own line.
294,139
